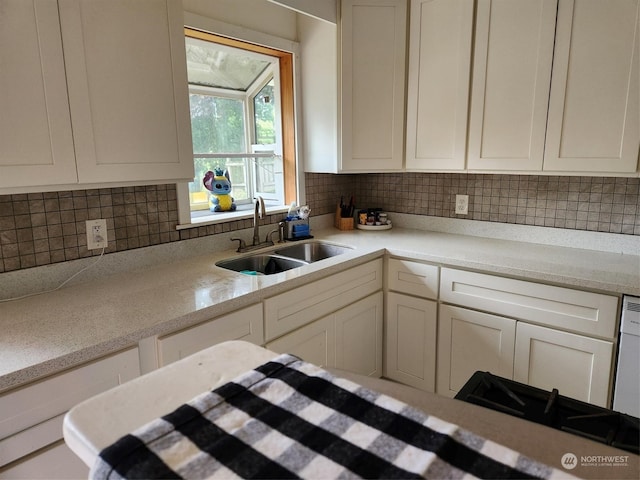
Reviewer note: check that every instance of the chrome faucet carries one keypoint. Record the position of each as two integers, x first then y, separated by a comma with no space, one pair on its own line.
258,213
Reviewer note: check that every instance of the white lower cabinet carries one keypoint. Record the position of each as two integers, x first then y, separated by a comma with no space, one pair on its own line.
349,339
410,340
578,366
245,324
540,335
411,316
54,462
314,343
31,443
469,341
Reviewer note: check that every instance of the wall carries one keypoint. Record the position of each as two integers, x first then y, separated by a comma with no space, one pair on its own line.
257,15
44,228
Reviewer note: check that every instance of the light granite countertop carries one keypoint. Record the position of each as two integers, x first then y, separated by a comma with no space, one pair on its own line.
48,333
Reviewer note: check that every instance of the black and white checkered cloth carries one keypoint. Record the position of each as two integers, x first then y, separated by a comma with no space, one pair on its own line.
290,419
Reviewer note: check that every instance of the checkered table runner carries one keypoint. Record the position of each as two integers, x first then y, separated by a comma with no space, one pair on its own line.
290,419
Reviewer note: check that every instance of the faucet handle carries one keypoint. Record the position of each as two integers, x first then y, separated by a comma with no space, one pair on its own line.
269,238
241,244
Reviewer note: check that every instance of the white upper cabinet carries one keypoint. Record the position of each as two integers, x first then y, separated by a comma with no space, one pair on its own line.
511,78
93,86
553,86
353,88
373,39
438,84
128,90
36,143
594,110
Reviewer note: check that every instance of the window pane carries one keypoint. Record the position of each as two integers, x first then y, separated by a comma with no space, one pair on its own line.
265,175
238,173
264,111
217,124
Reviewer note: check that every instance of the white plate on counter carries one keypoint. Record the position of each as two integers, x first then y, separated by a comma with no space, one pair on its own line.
375,227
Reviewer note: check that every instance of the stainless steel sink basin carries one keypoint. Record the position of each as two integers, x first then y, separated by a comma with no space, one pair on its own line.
260,264
312,251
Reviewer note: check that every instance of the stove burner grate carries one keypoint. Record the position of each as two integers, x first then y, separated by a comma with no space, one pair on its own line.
552,409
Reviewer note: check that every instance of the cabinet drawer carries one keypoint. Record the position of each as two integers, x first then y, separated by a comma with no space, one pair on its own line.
245,324
565,308
413,278
32,415
302,305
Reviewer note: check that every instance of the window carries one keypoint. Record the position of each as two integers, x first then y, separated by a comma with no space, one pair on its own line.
241,101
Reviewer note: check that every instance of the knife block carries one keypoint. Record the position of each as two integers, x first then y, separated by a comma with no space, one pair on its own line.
342,223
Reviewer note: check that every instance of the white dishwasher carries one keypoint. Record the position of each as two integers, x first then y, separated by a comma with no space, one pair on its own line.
626,397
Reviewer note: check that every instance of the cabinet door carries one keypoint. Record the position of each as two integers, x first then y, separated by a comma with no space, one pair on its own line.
373,41
314,343
36,144
128,91
54,462
579,367
410,355
32,416
469,341
359,336
594,108
511,80
438,86
245,324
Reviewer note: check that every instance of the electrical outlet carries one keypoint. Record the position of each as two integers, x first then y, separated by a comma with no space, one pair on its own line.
462,204
96,234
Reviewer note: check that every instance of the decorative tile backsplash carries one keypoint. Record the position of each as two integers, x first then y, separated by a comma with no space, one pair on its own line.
600,204
43,228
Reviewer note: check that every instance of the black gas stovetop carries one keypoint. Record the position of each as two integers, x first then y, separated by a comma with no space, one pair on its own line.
552,409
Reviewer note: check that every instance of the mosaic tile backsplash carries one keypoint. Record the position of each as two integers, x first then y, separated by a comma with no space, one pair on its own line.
43,228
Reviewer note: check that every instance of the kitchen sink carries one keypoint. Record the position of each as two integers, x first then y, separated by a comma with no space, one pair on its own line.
282,259
260,264
312,251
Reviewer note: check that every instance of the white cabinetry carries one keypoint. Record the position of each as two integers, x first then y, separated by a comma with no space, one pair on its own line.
314,343
335,321
36,143
511,77
543,356
245,324
353,84
594,109
555,86
299,306
563,337
126,91
31,423
469,341
411,323
438,85
349,339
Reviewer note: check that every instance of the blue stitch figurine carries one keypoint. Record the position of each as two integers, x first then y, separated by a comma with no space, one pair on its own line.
219,184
